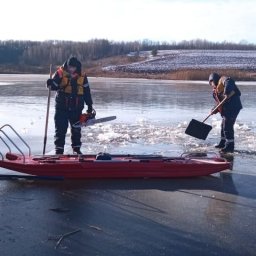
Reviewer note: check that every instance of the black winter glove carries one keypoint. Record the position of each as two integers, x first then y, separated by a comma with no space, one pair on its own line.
49,83
214,112
89,110
92,113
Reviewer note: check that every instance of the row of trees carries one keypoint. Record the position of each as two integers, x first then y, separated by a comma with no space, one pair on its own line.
42,53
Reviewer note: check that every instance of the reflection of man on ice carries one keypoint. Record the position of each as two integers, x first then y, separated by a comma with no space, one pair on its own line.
72,90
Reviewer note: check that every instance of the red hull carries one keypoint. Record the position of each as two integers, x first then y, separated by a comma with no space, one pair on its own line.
73,167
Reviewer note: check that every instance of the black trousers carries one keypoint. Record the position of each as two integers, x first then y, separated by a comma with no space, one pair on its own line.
227,126
62,119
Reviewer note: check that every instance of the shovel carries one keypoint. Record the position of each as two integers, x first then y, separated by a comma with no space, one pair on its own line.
200,130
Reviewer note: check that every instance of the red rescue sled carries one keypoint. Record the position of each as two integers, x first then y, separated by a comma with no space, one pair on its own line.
114,166
105,165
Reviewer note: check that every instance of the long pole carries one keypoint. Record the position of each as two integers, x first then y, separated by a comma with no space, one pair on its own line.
47,113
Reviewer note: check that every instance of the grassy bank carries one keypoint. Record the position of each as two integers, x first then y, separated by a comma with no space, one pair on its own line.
241,75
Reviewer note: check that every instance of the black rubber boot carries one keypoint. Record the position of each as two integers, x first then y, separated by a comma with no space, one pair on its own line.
77,151
221,144
59,151
229,148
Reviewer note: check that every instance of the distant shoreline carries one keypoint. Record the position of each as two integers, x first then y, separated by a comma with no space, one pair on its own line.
192,75
165,66
176,64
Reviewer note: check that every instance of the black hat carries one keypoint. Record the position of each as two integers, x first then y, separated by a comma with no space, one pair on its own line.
74,62
214,77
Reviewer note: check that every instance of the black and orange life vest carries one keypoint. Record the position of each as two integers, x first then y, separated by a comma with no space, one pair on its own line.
65,84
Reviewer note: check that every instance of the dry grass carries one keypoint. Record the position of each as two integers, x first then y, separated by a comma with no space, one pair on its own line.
241,75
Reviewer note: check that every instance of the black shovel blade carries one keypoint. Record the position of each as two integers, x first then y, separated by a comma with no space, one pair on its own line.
198,129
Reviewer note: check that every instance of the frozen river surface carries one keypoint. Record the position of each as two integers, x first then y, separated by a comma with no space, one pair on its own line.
212,215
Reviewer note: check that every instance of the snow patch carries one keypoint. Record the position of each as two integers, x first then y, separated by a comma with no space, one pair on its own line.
190,59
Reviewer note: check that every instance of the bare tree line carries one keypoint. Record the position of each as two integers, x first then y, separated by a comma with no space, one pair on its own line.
35,53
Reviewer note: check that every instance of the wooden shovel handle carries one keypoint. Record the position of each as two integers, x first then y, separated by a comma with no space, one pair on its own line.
220,104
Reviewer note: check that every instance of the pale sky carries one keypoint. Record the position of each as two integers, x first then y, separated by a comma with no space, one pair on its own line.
128,20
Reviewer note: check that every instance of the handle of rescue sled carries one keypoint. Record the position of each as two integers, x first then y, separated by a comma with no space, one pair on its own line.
47,113
220,104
